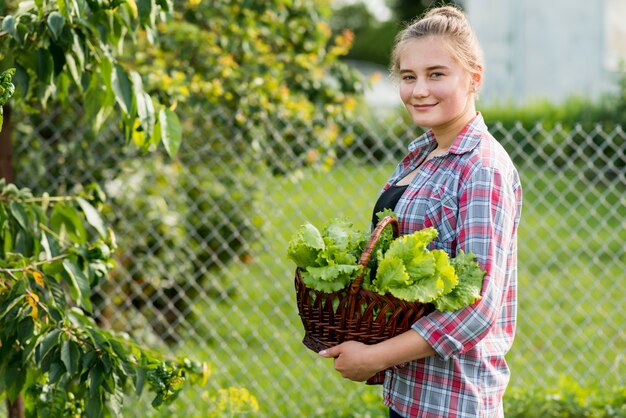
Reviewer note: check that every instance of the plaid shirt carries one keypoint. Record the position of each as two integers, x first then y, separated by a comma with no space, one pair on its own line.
472,196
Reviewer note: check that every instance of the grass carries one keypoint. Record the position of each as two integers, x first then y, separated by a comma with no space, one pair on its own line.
571,258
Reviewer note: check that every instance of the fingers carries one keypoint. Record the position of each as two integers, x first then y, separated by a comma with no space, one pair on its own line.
332,352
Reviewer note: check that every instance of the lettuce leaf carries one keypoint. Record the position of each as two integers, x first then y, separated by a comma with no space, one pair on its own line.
445,271
408,270
330,278
328,260
391,272
305,246
467,291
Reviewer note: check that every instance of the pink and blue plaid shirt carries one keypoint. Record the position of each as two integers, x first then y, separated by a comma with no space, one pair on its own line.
472,196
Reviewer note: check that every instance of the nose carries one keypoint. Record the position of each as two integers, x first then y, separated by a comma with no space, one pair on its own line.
420,88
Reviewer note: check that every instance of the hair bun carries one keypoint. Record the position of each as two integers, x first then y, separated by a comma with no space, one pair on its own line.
446,11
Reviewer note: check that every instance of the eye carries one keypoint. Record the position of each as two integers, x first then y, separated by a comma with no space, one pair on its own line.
436,75
408,77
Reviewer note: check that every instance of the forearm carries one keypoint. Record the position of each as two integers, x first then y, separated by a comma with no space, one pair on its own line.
402,348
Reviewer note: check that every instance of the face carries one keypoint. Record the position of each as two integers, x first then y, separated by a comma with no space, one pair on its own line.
435,88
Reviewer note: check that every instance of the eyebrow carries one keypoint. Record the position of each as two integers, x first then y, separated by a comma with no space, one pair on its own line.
431,68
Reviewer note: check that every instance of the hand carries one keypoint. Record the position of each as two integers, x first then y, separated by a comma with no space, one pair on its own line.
353,360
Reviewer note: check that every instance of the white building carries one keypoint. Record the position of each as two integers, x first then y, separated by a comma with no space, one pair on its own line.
548,49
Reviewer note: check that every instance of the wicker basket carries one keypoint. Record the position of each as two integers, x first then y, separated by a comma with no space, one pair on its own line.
354,313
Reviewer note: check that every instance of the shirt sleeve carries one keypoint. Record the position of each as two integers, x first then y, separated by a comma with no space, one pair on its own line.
486,227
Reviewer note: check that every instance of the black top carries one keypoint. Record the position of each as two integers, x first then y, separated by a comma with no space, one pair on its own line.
387,200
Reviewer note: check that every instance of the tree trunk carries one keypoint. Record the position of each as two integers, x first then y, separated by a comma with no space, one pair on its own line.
6,148
14,409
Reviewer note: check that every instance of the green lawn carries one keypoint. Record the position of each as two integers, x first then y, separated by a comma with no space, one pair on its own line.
571,257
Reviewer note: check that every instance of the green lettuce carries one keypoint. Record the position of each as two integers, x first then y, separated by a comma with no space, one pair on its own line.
328,260
409,271
305,246
403,267
467,291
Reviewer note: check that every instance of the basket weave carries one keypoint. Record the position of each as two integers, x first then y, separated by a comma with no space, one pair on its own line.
354,313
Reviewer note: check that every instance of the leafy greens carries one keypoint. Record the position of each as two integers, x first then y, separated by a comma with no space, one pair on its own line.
403,267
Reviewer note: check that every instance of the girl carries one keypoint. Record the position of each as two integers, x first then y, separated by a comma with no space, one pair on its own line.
456,178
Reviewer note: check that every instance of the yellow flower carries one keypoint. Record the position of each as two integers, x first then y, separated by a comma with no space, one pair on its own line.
235,401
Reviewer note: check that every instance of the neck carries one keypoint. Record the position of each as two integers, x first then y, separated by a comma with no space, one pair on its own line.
447,134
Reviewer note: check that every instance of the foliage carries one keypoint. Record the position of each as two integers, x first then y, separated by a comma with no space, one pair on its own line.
6,90
569,399
53,252
262,82
271,68
172,238
232,402
373,39
404,266
59,47
407,10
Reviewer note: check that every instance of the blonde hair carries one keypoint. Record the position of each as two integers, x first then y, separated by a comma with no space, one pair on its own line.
450,23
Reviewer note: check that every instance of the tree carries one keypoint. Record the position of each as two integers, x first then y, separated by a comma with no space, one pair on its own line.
252,60
55,250
263,82
58,48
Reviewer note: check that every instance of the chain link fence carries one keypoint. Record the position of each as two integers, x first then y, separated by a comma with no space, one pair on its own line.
202,269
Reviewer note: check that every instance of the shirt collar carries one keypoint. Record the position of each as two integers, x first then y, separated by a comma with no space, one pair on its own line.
466,141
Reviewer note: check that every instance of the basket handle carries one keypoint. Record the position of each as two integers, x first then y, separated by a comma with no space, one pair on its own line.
369,248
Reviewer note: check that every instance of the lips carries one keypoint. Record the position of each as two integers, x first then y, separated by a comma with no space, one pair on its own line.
424,106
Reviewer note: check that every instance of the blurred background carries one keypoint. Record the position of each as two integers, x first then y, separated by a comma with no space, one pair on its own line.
288,116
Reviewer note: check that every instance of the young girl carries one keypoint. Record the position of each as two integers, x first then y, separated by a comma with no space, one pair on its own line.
456,178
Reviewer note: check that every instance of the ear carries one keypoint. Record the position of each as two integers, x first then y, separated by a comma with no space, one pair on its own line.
477,77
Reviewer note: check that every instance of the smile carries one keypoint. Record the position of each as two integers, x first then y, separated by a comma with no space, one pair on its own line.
424,106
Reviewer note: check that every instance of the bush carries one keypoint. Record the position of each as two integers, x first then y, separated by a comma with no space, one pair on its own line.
568,400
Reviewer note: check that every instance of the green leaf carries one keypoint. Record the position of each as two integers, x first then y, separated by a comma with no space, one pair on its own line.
468,290
92,216
56,22
305,245
78,51
10,304
65,219
313,282
71,356
45,66
145,107
171,131
45,244
62,5
94,406
106,72
9,24
25,330
140,379
144,8
18,212
445,271
122,88
80,284
96,376
15,383
46,345
73,69
57,370
391,272
424,291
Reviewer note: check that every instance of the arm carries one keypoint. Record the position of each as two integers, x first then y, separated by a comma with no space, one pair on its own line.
359,362
488,208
